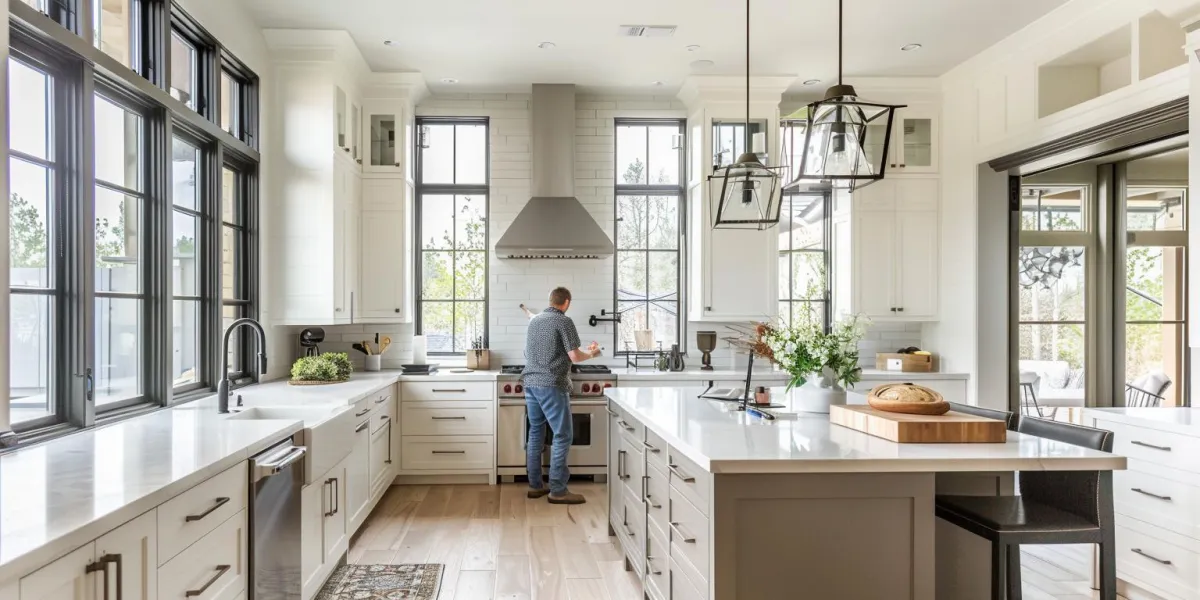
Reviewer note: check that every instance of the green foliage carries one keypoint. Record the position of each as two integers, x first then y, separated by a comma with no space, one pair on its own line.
331,366
110,238
805,349
26,234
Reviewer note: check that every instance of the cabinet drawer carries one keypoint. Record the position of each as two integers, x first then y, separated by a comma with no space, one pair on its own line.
658,566
187,517
681,587
216,564
658,501
630,428
633,528
688,533
689,478
447,418
1159,447
1154,555
452,452
656,451
383,410
417,391
363,408
631,466
1158,500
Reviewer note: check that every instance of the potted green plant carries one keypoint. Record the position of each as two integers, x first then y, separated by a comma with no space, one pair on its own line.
331,367
822,365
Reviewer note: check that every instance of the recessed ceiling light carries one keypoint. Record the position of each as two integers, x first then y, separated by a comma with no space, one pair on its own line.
546,45
693,48
811,81
449,80
389,43
910,47
701,64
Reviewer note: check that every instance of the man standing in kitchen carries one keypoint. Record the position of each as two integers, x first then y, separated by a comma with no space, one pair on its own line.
551,345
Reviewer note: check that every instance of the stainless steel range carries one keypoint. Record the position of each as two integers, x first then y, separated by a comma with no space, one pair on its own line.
589,418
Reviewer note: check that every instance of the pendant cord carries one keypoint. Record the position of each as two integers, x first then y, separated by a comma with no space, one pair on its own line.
839,42
747,140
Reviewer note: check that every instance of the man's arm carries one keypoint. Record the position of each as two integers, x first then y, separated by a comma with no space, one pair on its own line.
579,355
570,339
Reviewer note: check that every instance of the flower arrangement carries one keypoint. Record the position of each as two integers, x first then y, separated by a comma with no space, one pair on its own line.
805,349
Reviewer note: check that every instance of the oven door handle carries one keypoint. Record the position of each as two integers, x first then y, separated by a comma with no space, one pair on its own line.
588,403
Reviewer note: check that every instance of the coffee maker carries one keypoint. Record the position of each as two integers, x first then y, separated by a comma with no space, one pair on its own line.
309,338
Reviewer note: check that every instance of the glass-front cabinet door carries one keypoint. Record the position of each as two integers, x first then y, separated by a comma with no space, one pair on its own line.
384,138
914,145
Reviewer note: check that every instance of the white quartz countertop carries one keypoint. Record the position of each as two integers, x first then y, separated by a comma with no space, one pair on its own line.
765,375
57,496
723,440
1180,420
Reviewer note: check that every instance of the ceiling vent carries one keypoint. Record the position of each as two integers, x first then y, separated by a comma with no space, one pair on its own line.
647,30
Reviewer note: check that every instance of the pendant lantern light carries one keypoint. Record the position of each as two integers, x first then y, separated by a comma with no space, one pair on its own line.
745,194
845,138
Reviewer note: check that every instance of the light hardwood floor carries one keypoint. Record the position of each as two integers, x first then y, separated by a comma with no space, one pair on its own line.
497,544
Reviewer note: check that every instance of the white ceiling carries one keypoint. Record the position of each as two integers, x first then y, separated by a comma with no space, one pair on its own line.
492,44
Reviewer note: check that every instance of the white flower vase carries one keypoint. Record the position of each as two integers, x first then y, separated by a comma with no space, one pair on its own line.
818,393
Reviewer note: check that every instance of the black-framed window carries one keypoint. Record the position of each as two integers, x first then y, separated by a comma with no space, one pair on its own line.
237,87
65,12
649,219
452,233
193,59
804,259
116,220
117,30
238,210
39,87
729,140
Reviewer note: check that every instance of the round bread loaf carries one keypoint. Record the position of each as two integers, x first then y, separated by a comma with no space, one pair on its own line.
907,398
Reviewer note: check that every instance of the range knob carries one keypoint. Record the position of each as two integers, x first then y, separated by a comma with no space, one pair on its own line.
519,388
607,385
587,387
507,388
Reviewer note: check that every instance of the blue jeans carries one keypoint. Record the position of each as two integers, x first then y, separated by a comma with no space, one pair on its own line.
548,406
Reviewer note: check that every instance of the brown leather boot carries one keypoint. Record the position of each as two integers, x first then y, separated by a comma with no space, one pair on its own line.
567,498
536,492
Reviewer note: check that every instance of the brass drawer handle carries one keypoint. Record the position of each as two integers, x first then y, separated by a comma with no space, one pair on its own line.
676,472
220,502
1149,556
221,570
1151,494
1145,445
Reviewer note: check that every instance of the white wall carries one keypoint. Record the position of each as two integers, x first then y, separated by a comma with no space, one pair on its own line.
989,110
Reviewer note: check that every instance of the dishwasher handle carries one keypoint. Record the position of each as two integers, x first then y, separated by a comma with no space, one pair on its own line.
268,468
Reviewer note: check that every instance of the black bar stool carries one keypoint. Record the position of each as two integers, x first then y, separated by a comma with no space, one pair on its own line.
1055,507
1010,418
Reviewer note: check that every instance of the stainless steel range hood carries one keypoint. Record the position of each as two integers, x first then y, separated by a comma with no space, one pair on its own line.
553,224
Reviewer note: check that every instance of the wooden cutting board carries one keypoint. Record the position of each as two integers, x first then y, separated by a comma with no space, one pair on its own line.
950,428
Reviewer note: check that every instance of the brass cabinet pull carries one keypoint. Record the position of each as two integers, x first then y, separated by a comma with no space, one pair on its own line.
221,570
220,502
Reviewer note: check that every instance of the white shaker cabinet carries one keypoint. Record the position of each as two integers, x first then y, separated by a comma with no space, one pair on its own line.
385,270
128,551
358,481
895,252
734,272
323,528
67,578
383,134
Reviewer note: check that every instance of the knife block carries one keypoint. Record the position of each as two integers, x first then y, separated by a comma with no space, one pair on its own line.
479,360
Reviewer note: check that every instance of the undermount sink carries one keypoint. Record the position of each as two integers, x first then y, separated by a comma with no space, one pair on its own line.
310,415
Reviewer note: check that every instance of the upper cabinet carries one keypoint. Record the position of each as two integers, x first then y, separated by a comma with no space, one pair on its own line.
733,273
894,250
382,130
340,215
914,143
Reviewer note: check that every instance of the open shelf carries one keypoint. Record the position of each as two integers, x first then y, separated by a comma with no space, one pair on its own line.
1102,66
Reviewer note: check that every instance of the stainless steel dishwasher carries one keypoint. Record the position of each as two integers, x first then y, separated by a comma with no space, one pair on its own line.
276,477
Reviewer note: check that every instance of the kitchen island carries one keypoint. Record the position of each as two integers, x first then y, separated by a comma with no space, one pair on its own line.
709,502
